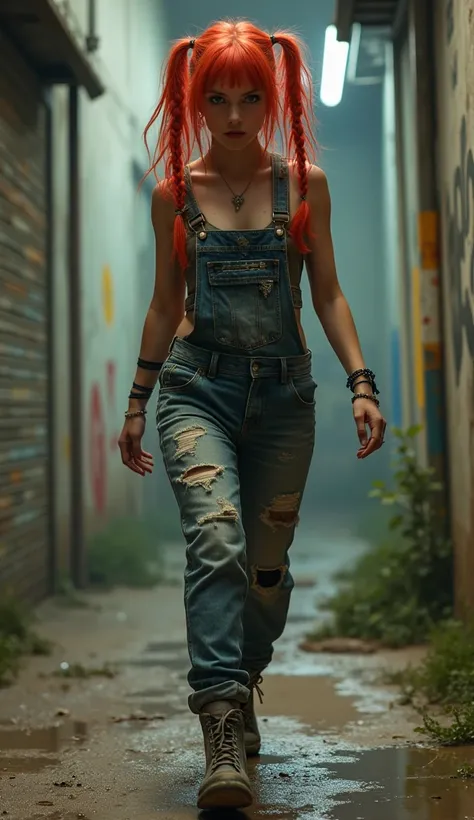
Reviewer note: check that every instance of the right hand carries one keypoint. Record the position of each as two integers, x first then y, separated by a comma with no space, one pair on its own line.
130,444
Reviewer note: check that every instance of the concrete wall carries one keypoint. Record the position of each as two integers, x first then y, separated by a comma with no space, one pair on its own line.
454,42
116,251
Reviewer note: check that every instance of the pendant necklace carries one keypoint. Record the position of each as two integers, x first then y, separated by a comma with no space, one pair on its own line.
237,199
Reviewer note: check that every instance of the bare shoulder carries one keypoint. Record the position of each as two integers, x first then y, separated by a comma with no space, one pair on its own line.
318,190
317,184
162,206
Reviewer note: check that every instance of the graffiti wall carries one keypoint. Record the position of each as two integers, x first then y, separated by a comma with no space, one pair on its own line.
454,49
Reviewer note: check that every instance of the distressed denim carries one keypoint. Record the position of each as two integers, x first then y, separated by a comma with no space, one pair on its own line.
236,420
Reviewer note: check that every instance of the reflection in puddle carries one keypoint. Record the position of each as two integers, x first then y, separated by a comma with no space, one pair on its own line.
45,739
27,765
405,784
42,741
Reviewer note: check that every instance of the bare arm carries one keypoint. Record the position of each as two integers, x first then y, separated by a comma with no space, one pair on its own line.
329,301
163,317
167,305
334,312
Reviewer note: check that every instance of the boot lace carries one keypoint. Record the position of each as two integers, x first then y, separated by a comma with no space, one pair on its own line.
254,683
223,737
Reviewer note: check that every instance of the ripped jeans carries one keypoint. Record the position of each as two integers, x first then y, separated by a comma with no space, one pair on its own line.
237,436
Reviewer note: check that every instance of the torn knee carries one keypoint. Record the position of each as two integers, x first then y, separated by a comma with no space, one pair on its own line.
283,511
225,512
186,440
268,581
201,475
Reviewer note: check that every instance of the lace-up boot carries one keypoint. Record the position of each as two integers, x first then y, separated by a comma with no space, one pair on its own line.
226,783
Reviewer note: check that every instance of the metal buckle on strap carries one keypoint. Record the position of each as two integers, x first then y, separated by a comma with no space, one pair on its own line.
196,222
281,216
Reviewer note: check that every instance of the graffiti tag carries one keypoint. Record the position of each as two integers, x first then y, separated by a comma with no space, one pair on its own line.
460,219
450,19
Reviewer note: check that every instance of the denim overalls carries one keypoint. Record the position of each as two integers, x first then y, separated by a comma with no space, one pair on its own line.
236,417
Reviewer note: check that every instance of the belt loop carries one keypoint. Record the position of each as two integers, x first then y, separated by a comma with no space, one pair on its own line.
212,369
284,371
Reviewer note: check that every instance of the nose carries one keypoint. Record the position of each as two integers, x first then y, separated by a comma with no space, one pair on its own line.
234,115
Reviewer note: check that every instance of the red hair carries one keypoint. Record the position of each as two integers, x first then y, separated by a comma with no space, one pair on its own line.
229,51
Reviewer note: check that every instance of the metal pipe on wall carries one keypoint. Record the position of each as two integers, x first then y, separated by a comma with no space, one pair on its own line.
92,40
78,556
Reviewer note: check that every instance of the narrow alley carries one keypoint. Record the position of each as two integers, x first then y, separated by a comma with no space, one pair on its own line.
336,743
119,560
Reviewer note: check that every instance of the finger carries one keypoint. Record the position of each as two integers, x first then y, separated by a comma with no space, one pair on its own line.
376,438
144,465
361,430
136,447
124,452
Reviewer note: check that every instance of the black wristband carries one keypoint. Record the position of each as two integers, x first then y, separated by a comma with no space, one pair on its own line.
145,365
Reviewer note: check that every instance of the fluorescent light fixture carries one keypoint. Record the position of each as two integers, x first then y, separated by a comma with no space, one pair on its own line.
334,68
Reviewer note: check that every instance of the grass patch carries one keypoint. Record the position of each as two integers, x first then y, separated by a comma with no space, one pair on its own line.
398,590
441,688
126,553
17,638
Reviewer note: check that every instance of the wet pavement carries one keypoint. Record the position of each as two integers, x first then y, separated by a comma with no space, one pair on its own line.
123,745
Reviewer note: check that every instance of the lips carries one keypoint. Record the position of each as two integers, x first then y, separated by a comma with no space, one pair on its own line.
234,133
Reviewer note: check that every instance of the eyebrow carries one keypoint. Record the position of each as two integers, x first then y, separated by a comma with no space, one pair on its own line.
221,93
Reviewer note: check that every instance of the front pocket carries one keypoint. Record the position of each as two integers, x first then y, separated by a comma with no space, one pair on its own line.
246,302
178,376
304,388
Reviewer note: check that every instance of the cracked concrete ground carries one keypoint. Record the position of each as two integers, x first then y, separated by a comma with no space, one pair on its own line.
335,743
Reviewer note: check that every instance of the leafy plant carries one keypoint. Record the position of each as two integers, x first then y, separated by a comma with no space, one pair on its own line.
444,680
17,638
459,732
398,590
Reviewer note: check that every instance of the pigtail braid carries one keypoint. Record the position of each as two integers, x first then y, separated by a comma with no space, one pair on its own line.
174,138
297,102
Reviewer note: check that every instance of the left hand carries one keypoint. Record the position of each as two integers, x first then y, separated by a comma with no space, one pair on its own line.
367,413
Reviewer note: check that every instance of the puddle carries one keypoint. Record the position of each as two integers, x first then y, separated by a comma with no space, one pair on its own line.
44,739
26,765
405,784
312,700
162,646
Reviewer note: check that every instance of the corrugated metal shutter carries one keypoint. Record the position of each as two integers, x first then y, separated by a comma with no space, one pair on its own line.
24,450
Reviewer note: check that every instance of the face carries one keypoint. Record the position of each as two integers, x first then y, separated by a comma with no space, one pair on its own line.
234,116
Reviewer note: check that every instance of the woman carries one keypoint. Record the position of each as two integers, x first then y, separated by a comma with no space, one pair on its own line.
236,409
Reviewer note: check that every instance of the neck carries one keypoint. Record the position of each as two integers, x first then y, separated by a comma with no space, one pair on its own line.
237,164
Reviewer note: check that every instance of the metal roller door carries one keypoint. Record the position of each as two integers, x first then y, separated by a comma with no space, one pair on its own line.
24,349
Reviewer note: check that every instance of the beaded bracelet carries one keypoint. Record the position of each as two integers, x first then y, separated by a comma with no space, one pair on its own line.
131,414
364,371
369,396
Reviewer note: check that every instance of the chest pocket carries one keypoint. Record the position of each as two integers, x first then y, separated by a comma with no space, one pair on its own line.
246,302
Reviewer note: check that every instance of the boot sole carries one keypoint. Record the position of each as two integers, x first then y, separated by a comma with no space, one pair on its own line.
252,750
225,795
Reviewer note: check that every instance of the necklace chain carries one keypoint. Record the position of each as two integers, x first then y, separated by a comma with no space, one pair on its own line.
238,199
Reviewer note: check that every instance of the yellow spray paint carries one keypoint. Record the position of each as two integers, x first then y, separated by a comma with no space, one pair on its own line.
418,351
108,295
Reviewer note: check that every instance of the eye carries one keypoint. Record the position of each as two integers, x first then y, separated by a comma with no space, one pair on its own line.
216,99
253,98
